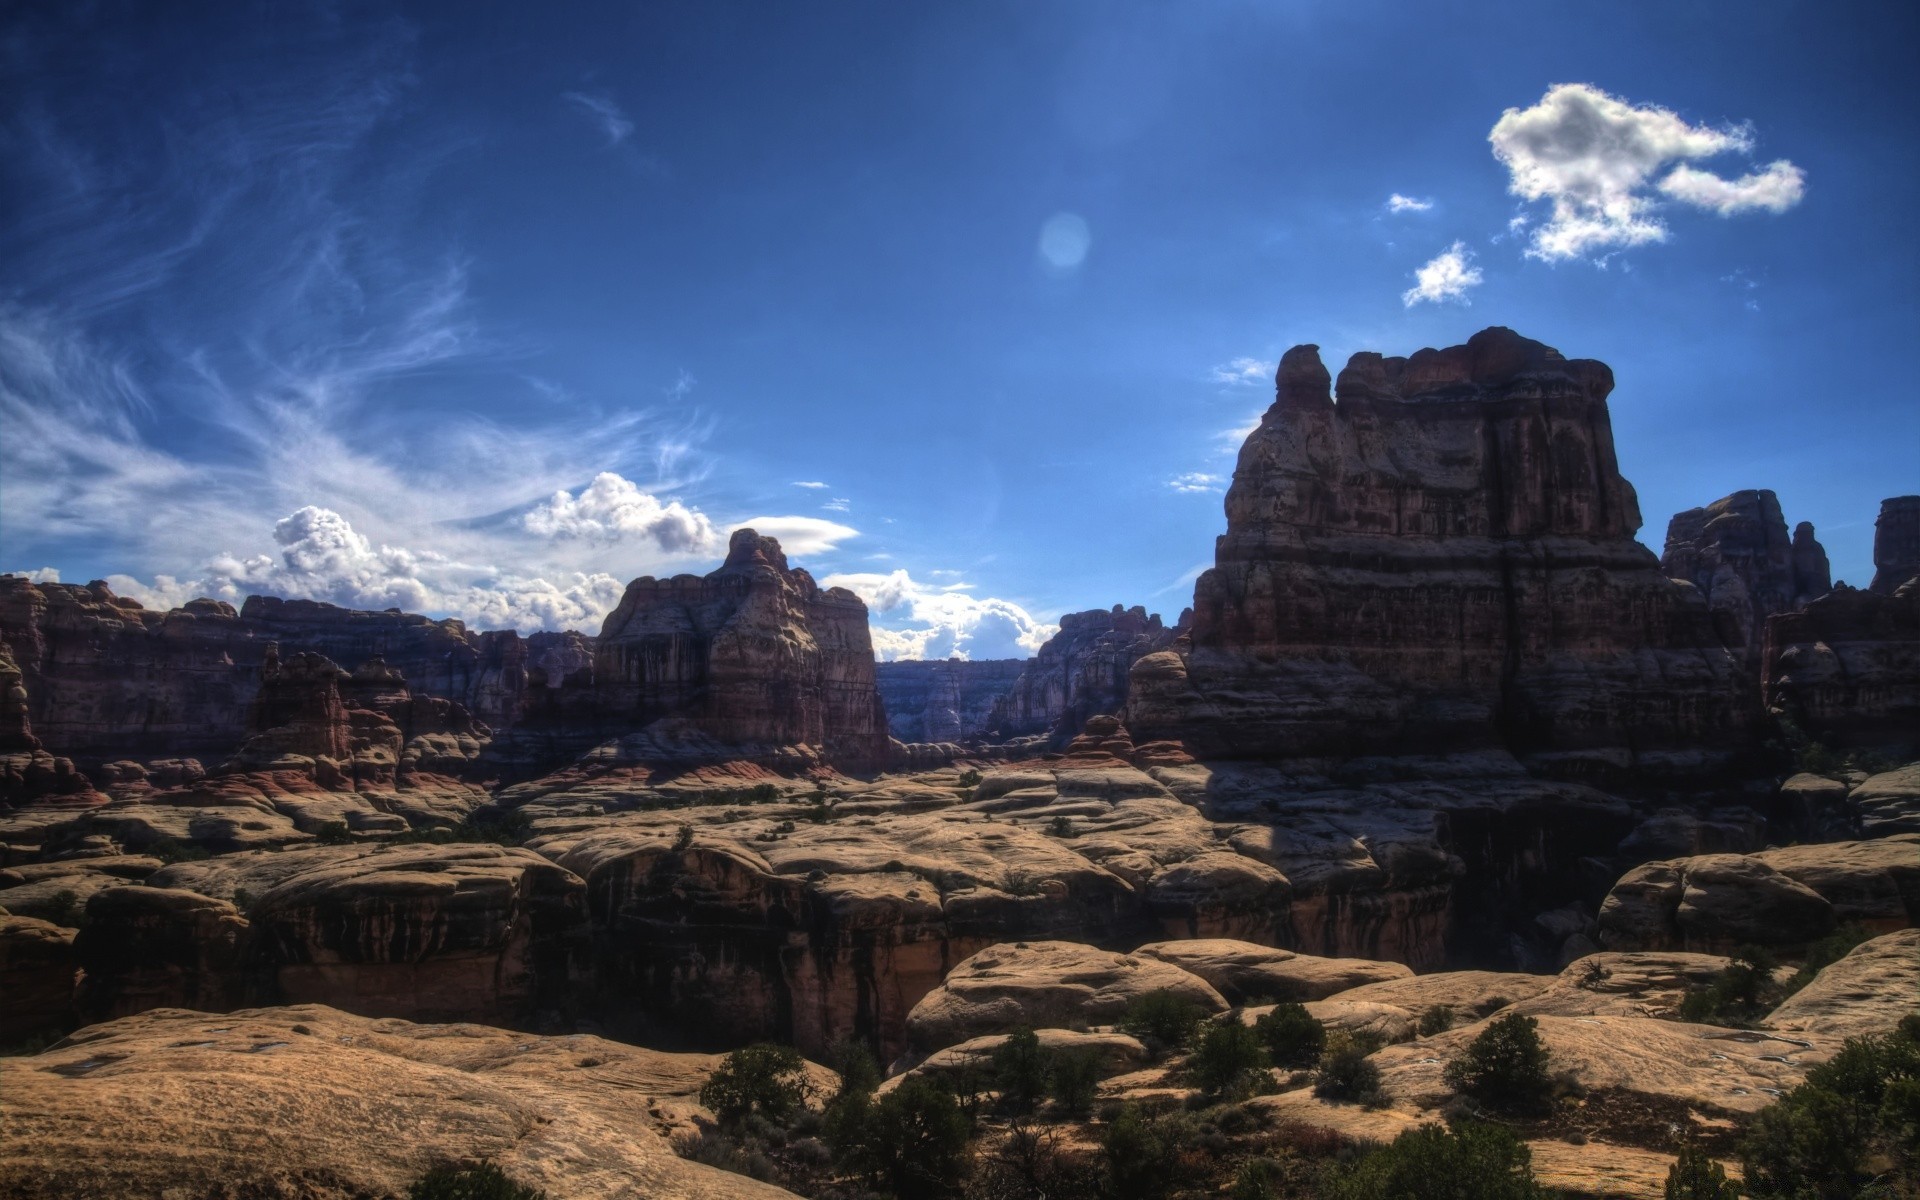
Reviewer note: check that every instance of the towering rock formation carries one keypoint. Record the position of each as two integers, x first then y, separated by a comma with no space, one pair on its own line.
1444,560
944,700
1736,551
1845,670
1081,672
755,653
1896,543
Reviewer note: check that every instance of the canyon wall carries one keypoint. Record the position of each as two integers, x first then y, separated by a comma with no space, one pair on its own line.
1896,544
944,700
1445,560
1737,552
1080,672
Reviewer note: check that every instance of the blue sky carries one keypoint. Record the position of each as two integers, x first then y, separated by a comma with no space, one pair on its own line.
484,310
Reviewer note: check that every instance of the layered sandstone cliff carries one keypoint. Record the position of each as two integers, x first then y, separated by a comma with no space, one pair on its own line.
1896,543
950,700
1080,672
1444,560
1845,670
754,654
1737,552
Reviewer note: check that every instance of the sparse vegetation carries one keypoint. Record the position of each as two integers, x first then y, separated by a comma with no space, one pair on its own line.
1346,1073
333,833
1852,1129
1739,995
478,1181
1694,1176
1076,1080
763,1080
970,778
1438,1018
912,1141
1292,1036
1432,1162
1143,1155
1022,1071
1061,826
1505,1068
683,839
173,850
1165,1021
1228,1059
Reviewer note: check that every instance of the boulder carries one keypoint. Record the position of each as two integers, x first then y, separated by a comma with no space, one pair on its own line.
1044,985
37,971
1244,973
1867,992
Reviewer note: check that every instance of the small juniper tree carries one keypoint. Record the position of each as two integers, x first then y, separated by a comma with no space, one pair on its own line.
765,1080
1292,1035
1505,1068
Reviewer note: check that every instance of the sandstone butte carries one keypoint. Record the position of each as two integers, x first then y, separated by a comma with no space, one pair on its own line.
1437,729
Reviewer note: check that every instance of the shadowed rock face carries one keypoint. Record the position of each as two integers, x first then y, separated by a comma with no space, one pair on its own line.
1081,672
1737,552
754,653
1444,559
949,700
1846,669
1896,543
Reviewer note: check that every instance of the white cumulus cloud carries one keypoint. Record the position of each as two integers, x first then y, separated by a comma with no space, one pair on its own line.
1598,160
1448,277
912,619
1403,204
613,507
1242,372
1196,481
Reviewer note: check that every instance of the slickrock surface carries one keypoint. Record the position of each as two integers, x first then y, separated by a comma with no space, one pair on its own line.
1632,984
1787,897
1445,559
943,700
314,1104
1044,985
1846,670
1888,803
1116,1052
1896,543
474,932
1737,552
754,653
1470,994
36,977
1248,974
1080,672
1867,992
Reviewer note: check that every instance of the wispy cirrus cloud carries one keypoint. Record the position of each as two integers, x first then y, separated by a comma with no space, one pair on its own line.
604,113
1397,203
1242,372
1197,482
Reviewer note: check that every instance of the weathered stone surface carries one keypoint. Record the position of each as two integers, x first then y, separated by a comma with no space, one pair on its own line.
37,970
754,653
1043,985
1887,803
1896,544
1846,670
1867,992
1081,672
1787,897
291,1103
1115,1052
1635,984
1248,974
943,700
475,932
1470,994
1737,552
1444,560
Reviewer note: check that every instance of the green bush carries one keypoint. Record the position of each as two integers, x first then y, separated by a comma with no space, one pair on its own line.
1162,1019
1694,1176
1505,1068
1022,1069
1825,952
765,1080
970,778
1471,1160
1437,1018
1142,1155
1264,1179
481,1181
1076,1079
1853,1125
333,833
1292,1035
1346,1073
913,1141
1061,826
1739,995
1228,1058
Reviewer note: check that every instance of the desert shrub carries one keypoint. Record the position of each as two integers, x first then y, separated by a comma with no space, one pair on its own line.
1076,1079
1438,1018
764,1080
1345,1072
1740,994
480,1181
1029,1164
1162,1019
1061,826
1227,1058
1292,1035
1431,1162
1694,1176
913,1141
970,778
1265,1179
173,850
1022,1069
1851,1127
740,1156
1021,883
1505,1068
1825,952
1142,1155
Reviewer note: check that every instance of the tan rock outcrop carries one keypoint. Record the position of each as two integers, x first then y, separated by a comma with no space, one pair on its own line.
1248,974
37,971
1115,1052
1737,552
1081,672
1787,897
1470,994
1043,985
1867,992
291,1103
